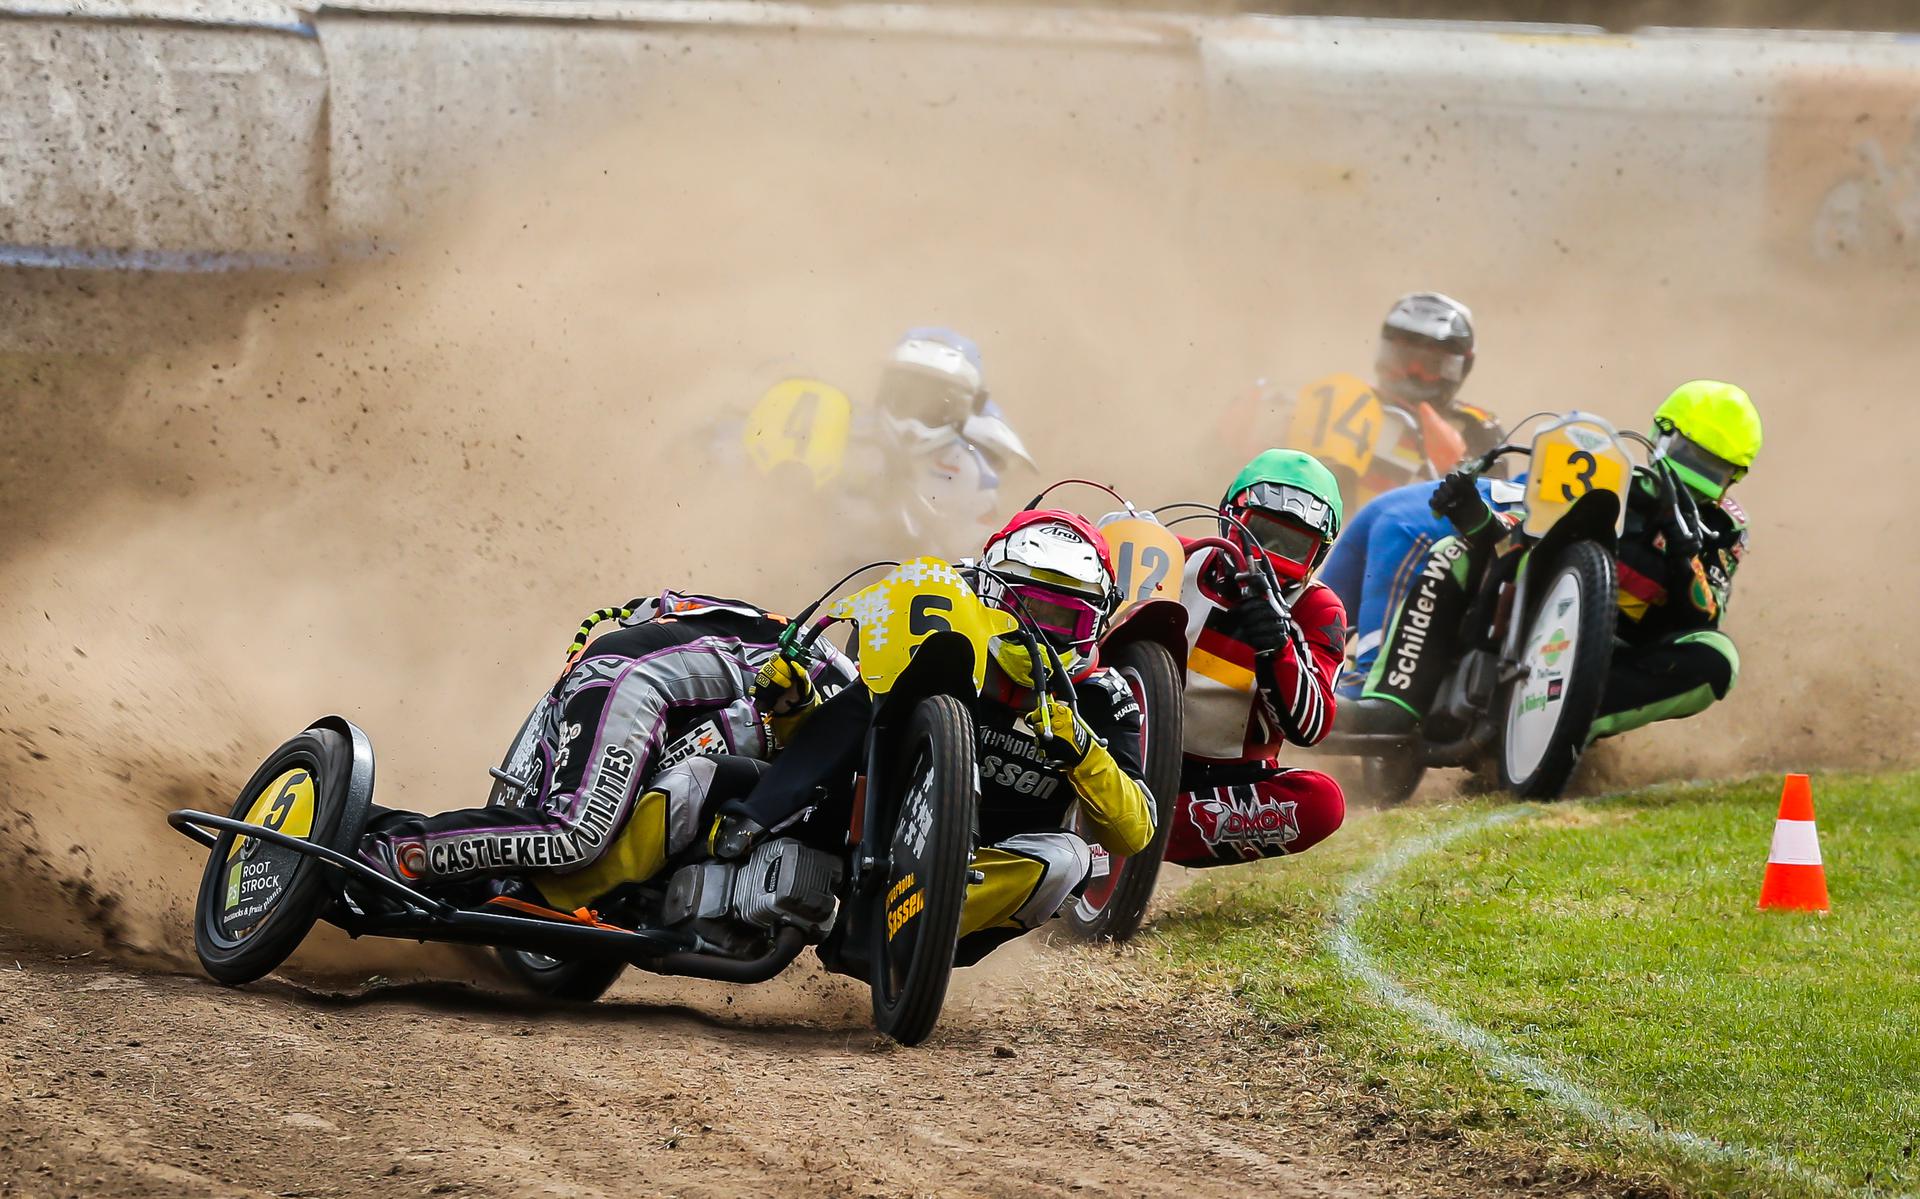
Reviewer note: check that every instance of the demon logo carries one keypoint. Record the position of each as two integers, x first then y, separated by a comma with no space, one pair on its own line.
1245,821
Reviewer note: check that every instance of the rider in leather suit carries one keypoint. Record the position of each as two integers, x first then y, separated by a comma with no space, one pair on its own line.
1054,567
1684,539
653,723
1260,677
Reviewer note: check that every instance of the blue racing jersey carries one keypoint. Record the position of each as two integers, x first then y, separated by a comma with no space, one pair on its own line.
1377,556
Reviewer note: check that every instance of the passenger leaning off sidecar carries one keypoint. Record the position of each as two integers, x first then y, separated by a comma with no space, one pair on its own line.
1053,568
1260,676
1684,539
653,723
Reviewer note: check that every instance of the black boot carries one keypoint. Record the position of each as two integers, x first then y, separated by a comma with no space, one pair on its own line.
845,950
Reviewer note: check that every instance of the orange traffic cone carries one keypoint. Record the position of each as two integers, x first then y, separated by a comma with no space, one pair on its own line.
1795,878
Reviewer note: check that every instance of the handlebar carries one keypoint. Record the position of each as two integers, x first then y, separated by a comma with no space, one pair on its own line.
1254,574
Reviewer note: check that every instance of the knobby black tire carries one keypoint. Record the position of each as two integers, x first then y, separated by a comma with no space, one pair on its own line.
578,980
328,756
942,728
1151,669
1586,676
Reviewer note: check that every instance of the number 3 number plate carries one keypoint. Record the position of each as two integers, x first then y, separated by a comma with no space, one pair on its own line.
1571,458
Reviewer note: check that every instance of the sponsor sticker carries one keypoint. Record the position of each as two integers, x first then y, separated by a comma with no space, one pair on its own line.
259,871
1243,819
486,852
916,823
904,902
702,740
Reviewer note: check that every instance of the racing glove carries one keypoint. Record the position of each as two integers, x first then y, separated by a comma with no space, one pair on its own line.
1457,500
1262,623
1069,740
784,693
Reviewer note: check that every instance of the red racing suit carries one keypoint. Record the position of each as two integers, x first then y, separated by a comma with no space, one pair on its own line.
1243,703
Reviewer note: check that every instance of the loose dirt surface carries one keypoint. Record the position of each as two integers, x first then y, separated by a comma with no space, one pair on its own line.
1058,1073
390,489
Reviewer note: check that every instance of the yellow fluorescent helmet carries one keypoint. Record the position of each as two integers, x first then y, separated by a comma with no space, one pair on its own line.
1717,417
1709,435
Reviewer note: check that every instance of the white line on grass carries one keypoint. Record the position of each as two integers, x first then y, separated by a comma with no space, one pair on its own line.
1498,1058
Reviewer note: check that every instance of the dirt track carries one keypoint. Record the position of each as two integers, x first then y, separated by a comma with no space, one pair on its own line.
120,1083
390,492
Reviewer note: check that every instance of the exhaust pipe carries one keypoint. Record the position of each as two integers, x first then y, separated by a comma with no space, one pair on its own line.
787,944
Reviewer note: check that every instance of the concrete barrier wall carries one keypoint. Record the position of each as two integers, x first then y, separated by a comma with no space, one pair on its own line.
162,144
1805,146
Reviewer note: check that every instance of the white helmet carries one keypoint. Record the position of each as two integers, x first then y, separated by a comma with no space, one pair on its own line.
933,382
1057,572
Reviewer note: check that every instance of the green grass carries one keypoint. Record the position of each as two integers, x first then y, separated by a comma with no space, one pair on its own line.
1616,941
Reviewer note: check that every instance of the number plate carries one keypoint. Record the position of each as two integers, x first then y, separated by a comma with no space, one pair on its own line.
1147,559
1572,457
916,600
257,872
800,420
1337,420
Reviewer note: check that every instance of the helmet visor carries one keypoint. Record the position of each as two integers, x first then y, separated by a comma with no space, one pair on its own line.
1284,537
1063,618
932,400
1420,361
1702,469
1286,500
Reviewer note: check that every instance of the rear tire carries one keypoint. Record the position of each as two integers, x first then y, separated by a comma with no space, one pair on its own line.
917,921
306,782
1568,648
1391,781
577,980
1112,908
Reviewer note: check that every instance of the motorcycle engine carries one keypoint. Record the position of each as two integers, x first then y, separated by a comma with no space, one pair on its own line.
781,883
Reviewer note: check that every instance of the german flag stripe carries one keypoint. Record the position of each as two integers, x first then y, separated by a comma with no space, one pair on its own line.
1220,670
1225,648
1640,587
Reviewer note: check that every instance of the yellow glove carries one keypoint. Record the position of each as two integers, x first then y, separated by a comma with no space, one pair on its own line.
786,695
782,688
1069,740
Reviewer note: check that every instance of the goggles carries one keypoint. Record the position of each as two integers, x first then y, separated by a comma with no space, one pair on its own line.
1700,468
1421,361
1283,537
1277,500
1064,618
913,395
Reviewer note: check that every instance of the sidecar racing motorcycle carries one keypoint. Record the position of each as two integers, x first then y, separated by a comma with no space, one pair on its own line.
892,883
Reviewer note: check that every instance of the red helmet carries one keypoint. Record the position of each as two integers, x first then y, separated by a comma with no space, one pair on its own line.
1054,568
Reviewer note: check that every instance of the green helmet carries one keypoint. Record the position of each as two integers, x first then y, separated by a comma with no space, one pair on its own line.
1709,435
1286,487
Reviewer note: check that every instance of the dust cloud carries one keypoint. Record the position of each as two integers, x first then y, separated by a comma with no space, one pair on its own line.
390,491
